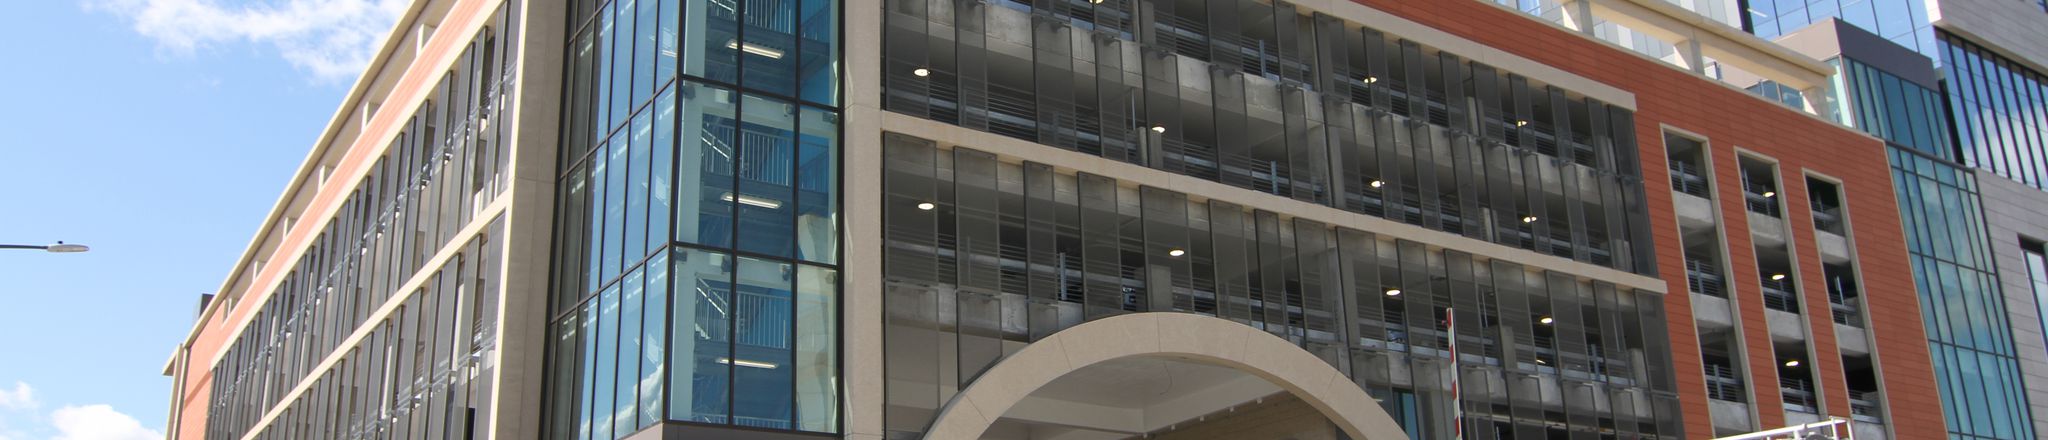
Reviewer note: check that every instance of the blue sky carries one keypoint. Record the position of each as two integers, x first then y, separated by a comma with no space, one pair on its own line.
159,132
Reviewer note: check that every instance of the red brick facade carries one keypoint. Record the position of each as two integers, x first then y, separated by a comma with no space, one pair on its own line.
1732,119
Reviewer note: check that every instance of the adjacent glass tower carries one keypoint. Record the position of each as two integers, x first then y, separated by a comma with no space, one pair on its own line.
1904,22
2000,109
696,272
1969,335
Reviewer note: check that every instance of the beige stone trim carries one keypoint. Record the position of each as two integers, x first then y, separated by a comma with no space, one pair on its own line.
1183,336
525,247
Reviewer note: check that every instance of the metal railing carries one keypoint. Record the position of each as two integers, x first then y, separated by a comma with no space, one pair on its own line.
1778,296
1723,385
1701,278
1846,314
1847,309
1827,218
1754,198
1864,406
1686,178
1799,396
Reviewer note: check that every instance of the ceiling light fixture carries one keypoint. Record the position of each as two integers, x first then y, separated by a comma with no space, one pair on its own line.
1528,219
755,201
1792,363
1393,292
1376,184
1158,129
753,49
921,72
1545,320
1769,194
1777,277
1370,79
1176,252
926,206
748,363
1520,123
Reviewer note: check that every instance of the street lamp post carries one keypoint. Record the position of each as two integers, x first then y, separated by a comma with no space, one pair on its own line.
59,248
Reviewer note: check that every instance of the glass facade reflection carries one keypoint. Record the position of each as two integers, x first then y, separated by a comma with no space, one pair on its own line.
1904,22
697,233
1265,97
1969,335
2000,110
1898,110
985,254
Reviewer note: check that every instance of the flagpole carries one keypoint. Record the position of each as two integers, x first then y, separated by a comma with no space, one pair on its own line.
1457,394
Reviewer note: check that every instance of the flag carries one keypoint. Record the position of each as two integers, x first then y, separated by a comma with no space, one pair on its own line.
1457,395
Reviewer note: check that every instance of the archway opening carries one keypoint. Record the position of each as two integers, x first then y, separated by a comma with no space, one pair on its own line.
1164,398
1143,374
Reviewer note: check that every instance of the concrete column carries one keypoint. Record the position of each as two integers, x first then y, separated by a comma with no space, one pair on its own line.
1818,101
1578,15
1689,55
861,301
523,318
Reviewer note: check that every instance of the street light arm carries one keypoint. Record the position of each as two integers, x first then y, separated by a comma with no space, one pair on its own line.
59,248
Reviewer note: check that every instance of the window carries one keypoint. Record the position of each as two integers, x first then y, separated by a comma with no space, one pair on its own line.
2037,275
699,218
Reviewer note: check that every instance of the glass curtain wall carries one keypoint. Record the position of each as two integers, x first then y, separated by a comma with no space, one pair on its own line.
2000,109
697,232
1904,22
1969,336
446,164
422,371
1896,109
1266,97
985,254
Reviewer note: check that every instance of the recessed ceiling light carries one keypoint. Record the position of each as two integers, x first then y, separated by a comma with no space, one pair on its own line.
1528,219
1370,79
921,72
1545,320
926,206
1792,363
1158,129
1176,252
1393,292
1777,277
1376,184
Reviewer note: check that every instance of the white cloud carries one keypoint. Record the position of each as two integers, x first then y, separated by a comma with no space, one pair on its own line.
98,422
331,39
22,397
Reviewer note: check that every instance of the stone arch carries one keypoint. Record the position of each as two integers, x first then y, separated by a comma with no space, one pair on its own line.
1171,335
